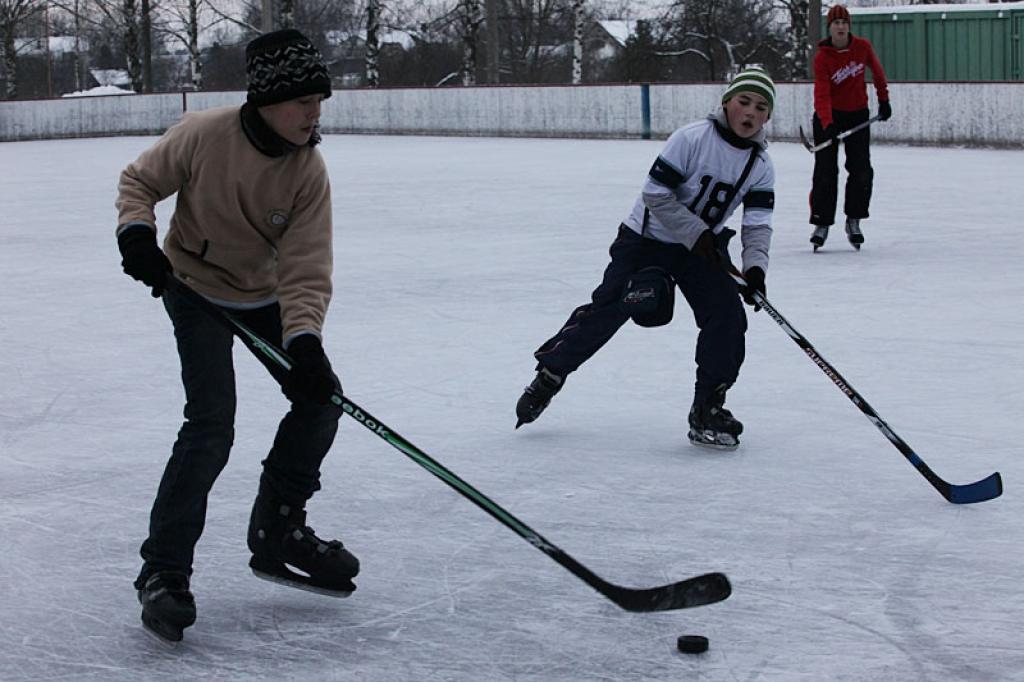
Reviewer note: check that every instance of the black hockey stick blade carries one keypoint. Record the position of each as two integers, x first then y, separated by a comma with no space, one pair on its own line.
696,591
803,138
702,590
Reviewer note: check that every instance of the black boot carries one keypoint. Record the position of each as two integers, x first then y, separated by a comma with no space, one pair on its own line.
280,540
711,425
819,236
537,395
168,606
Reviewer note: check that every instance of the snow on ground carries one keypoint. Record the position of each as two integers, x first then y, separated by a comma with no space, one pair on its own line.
455,258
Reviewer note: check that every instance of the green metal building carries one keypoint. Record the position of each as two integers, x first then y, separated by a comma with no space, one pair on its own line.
945,42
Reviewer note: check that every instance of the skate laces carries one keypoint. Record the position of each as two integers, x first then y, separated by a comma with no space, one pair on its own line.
545,384
720,411
711,412
307,536
167,582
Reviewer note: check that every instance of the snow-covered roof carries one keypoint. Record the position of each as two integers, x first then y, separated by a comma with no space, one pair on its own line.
111,76
98,91
619,29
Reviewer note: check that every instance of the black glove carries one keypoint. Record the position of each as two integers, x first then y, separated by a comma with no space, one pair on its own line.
310,378
830,132
755,282
707,248
142,259
884,110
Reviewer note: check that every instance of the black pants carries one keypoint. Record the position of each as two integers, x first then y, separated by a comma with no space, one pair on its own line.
291,471
711,293
860,175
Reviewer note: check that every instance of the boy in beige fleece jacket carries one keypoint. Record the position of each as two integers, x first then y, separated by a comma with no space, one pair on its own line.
252,233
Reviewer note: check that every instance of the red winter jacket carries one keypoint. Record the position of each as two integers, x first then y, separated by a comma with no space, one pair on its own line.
839,77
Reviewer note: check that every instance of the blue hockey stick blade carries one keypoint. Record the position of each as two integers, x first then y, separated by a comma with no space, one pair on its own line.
979,491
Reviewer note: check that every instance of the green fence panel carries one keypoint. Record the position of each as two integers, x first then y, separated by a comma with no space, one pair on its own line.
950,45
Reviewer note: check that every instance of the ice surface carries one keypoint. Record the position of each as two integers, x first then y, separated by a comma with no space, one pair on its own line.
455,259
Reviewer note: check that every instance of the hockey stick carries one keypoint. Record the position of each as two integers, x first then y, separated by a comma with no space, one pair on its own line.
815,148
696,591
986,489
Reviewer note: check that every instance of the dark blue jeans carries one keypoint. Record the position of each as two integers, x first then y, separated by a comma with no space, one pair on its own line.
291,472
711,293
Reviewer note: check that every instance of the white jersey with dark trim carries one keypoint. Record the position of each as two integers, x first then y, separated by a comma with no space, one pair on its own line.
692,179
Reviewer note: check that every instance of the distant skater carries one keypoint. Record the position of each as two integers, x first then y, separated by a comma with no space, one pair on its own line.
840,103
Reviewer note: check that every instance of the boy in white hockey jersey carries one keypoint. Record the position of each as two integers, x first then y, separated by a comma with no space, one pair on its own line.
676,236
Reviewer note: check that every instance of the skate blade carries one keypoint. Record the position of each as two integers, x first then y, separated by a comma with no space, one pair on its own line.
526,416
299,584
724,442
165,634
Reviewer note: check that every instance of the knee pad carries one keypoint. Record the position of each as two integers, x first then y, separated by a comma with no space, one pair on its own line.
649,297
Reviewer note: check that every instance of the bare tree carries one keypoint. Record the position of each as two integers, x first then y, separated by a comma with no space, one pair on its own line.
372,43
247,16
798,48
813,33
13,15
578,29
725,34
262,16
132,21
470,18
533,32
130,39
185,20
76,56
120,17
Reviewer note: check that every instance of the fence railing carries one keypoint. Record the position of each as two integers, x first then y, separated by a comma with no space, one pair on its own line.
972,114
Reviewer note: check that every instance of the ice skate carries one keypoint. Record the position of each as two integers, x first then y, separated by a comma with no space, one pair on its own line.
819,236
537,395
713,426
168,606
853,232
287,551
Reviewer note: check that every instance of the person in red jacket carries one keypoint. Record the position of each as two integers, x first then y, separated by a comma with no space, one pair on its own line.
840,103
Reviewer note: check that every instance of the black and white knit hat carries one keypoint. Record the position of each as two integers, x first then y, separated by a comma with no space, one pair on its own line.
284,65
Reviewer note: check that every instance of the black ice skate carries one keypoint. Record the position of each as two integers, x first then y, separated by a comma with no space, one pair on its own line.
819,236
537,395
285,550
713,426
853,232
168,606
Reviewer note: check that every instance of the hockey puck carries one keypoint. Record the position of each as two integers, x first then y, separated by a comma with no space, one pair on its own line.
692,644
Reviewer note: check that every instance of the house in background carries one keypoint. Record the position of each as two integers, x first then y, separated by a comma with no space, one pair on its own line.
118,78
346,52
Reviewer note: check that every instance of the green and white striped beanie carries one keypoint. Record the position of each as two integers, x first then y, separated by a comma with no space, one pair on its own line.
752,79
